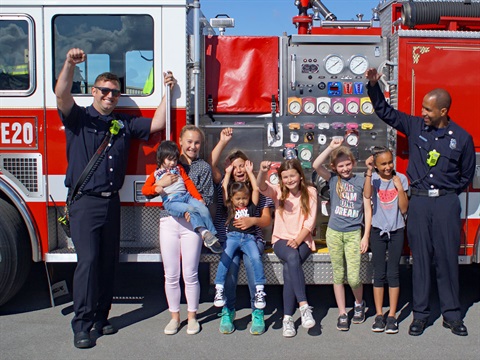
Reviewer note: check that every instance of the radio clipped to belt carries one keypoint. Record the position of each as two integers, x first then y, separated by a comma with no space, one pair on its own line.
75,194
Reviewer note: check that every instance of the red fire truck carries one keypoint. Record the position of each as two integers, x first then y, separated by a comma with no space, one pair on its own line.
282,95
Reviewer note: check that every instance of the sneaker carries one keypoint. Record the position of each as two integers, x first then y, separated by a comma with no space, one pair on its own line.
219,300
307,318
212,243
342,323
359,313
172,327
193,327
260,302
378,324
289,327
226,321
392,326
258,323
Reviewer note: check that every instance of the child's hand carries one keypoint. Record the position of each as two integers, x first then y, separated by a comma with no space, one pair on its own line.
364,245
398,183
265,165
249,166
244,223
292,243
226,135
336,142
187,216
229,168
167,180
369,163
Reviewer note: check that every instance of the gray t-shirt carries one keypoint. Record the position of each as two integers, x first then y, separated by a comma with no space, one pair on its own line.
346,212
386,213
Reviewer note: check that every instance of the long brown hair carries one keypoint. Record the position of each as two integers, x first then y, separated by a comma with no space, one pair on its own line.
334,157
303,187
233,188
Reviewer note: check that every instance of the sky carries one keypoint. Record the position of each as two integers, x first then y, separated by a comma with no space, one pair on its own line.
274,17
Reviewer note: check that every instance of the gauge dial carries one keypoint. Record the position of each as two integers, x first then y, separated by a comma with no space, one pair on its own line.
353,107
309,107
324,108
334,64
295,107
306,155
352,139
367,108
273,178
338,108
358,64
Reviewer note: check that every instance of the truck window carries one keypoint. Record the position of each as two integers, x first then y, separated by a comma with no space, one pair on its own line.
15,48
122,44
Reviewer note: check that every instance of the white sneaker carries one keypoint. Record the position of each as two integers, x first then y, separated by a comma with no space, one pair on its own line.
307,318
289,327
260,302
172,327
219,300
193,327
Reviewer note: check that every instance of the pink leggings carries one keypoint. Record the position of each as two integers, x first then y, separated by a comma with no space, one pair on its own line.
179,244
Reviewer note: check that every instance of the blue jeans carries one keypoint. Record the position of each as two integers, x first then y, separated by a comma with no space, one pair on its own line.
199,215
246,243
230,290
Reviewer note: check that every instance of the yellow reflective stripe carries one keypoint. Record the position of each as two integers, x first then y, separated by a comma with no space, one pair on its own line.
148,87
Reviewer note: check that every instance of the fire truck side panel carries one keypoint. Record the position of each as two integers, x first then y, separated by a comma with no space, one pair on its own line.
443,59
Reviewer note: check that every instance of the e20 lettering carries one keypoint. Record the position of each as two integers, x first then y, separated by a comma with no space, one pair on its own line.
16,133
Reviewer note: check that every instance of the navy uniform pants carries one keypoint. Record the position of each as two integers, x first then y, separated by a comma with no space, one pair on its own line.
95,229
433,229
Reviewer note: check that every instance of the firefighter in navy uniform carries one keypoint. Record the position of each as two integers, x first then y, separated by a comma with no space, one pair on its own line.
95,215
441,166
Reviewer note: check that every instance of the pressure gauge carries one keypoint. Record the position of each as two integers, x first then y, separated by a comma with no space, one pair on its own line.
351,137
338,107
358,64
366,106
305,155
353,106
273,178
323,106
334,64
294,106
309,106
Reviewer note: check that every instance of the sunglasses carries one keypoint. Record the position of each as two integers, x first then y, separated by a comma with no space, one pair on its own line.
105,91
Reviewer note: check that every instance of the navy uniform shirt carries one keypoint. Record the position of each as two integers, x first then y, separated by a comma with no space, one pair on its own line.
85,129
455,167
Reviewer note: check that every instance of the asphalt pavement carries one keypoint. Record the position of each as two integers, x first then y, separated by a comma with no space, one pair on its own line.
31,329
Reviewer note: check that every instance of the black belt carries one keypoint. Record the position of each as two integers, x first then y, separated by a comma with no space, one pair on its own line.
103,194
431,192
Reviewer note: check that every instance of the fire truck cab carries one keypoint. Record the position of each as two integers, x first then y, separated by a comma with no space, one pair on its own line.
285,96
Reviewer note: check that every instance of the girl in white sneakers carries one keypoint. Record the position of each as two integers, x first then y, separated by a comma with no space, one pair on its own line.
295,215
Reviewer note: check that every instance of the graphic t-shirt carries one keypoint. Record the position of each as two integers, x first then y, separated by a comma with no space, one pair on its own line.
248,211
386,214
347,210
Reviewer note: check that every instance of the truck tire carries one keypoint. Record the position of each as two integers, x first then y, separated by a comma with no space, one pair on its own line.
15,251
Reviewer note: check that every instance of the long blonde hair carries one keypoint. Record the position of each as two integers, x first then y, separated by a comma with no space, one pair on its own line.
303,187
334,158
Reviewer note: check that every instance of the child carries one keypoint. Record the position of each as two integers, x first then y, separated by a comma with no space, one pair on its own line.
295,215
240,202
387,190
344,239
182,196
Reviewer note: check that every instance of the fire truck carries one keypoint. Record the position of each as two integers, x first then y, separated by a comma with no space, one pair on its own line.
285,96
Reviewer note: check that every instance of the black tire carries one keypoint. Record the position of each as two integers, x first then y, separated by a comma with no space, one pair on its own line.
15,251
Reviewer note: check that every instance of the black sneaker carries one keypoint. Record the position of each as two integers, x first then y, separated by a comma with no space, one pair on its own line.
342,323
359,313
378,324
392,326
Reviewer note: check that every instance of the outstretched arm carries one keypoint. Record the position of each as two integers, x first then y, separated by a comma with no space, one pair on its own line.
63,87
253,182
367,187
226,182
214,157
